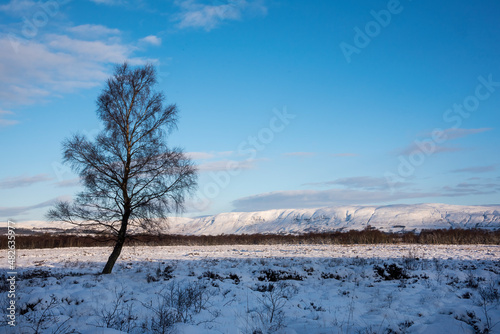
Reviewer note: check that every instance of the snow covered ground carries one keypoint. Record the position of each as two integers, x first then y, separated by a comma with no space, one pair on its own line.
389,218
259,289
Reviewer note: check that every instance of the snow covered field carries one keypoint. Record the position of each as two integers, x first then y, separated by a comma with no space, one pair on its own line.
259,289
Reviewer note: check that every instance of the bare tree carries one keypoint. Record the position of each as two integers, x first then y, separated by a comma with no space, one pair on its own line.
130,176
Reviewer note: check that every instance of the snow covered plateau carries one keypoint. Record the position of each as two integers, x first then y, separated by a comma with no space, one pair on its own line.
390,218
344,218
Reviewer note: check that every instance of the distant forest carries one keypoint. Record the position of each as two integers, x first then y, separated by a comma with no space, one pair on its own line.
369,236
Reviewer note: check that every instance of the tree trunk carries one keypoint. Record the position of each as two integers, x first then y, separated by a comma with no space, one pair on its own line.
118,246
113,257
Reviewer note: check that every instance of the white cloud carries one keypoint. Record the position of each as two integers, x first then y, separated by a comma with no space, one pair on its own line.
23,181
109,2
200,155
428,143
6,122
296,199
11,212
35,70
455,133
19,7
209,155
151,39
69,183
362,190
225,153
31,71
93,30
415,147
226,165
477,169
362,182
218,161
97,50
197,15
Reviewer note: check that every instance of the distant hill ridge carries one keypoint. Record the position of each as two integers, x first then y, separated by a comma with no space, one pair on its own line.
389,218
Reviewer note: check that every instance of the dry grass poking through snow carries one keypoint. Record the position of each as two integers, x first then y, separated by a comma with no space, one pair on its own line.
260,289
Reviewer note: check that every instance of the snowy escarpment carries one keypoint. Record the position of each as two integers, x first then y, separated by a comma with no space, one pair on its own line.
343,218
389,218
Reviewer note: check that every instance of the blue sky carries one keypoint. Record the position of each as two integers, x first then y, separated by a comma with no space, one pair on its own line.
283,104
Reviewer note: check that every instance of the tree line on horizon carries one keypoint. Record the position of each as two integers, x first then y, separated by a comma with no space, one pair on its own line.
428,237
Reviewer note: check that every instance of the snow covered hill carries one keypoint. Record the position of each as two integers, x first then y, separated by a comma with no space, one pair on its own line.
388,218
343,218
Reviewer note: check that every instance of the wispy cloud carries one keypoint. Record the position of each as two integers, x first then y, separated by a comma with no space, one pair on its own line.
200,155
415,147
104,51
209,155
426,144
19,7
36,70
319,198
209,16
361,190
109,2
477,169
296,199
344,155
93,31
6,122
467,189
360,182
455,133
23,181
54,64
215,161
68,183
476,185
226,165
151,39
57,57
300,154
11,212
